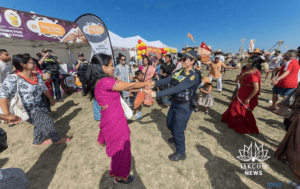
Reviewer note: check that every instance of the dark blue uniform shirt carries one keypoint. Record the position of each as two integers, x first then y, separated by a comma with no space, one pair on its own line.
192,80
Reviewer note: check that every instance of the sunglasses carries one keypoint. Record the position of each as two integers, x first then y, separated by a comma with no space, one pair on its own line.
31,62
123,59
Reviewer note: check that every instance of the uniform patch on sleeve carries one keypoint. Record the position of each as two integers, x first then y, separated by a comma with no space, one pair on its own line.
192,77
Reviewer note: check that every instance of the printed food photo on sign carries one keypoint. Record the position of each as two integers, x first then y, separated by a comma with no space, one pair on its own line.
75,35
12,18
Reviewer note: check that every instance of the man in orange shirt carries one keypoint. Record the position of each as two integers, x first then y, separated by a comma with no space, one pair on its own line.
215,71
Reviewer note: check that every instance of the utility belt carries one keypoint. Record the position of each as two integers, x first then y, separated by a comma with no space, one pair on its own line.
53,72
179,101
189,98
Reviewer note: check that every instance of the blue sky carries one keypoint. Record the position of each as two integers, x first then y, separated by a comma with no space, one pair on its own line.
219,23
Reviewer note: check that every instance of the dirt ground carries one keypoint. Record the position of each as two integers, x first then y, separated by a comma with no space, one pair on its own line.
212,149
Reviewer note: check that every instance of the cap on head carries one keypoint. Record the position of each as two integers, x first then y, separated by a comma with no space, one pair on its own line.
45,50
80,54
218,56
189,53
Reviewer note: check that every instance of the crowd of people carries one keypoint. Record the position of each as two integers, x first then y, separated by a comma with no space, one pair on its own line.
177,81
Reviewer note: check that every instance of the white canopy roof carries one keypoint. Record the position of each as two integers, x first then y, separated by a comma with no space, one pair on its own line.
118,41
157,43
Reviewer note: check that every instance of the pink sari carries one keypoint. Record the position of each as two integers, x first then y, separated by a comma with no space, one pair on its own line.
150,73
114,128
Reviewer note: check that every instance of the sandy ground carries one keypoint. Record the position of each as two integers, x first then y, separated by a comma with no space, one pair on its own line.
212,149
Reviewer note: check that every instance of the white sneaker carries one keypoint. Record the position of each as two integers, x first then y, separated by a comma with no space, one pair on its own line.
270,101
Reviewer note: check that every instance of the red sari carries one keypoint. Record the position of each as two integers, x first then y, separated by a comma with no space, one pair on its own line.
239,116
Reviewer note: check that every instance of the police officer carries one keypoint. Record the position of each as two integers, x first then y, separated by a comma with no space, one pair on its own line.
50,63
81,64
184,99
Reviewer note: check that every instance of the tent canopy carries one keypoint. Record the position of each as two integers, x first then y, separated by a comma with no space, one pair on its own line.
118,41
157,43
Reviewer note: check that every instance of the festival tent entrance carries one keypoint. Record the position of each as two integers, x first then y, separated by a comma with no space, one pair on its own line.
66,52
122,45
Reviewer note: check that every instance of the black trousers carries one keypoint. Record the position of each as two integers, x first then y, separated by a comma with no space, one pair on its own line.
56,80
82,79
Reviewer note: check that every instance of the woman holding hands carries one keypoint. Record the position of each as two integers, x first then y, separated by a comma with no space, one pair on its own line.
114,131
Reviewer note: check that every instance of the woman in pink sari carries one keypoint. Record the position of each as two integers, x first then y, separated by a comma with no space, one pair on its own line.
114,131
149,71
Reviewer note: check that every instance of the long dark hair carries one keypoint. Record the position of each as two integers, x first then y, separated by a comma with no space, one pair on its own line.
170,57
95,73
149,62
256,62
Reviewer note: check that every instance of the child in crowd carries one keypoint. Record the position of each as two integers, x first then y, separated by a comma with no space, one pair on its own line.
207,100
134,69
237,85
133,93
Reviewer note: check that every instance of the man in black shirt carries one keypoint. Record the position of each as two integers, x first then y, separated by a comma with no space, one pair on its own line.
81,64
166,70
50,63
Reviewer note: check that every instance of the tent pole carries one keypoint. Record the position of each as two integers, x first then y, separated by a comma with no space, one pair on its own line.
70,57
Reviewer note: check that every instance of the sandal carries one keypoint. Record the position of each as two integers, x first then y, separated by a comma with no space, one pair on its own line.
48,141
63,140
101,144
269,108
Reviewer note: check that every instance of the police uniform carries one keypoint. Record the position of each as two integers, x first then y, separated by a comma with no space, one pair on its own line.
184,99
82,70
51,66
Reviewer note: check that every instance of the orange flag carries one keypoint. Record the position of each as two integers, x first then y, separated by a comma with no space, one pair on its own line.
190,36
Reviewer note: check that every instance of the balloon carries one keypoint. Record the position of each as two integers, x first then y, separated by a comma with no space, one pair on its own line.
139,57
137,46
140,48
142,44
139,41
145,47
143,51
145,44
139,52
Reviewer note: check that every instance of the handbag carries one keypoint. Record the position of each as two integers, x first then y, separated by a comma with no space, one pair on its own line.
3,140
127,111
96,109
16,105
290,99
284,111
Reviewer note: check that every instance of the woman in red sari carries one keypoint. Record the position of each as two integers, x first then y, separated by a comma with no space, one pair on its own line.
239,114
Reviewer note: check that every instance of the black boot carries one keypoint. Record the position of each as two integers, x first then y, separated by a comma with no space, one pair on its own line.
176,157
171,140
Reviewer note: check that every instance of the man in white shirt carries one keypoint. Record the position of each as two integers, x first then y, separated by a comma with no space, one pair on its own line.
275,62
4,70
178,64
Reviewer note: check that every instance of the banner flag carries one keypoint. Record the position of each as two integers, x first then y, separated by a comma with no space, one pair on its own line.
251,45
96,33
190,36
203,45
